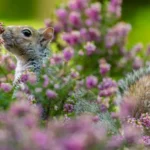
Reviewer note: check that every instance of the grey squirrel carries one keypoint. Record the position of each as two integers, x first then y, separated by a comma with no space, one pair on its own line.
30,47
136,88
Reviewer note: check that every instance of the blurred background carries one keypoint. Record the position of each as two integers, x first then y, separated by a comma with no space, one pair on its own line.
33,12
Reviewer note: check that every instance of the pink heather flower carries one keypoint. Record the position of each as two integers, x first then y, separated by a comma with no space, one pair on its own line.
48,23
24,78
95,119
137,48
75,142
75,19
12,65
131,134
41,139
32,78
78,4
84,34
94,12
138,63
68,108
68,53
62,14
104,67
103,108
56,59
91,82
146,140
107,88
122,29
115,142
72,38
114,7
90,48
126,107
6,87
89,22
110,39
117,34
74,74
145,120
51,94
94,34
58,27
46,81
20,108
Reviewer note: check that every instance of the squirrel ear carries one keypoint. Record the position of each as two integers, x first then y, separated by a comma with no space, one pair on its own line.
47,33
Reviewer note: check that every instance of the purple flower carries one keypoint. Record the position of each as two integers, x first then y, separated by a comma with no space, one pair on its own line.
72,38
48,23
137,48
104,67
41,139
51,94
114,7
68,108
90,48
115,142
58,27
75,19
11,64
62,14
138,63
75,142
78,4
103,108
94,12
89,22
74,74
95,119
24,78
122,29
84,33
6,87
56,59
20,109
131,134
94,34
126,107
32,78
146,140
145,120
46,81
110,39
117,35
68,53
107,88
91,82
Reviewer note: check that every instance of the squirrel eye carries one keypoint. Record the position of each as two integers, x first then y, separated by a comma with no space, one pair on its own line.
26,32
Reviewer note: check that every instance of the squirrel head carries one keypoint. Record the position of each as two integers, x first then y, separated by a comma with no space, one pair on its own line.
25,41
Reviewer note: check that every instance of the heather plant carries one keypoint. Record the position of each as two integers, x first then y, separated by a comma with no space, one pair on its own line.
72,105
25,131
92,30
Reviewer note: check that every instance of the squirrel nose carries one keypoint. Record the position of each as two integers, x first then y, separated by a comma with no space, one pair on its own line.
6,34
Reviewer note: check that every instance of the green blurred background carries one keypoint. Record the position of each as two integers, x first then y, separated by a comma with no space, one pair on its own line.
33,12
